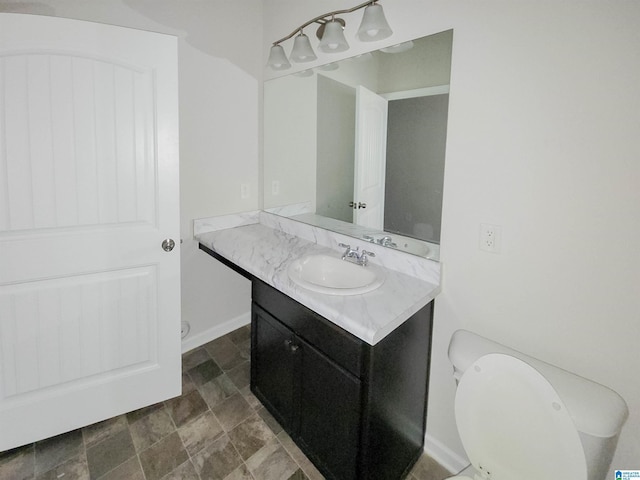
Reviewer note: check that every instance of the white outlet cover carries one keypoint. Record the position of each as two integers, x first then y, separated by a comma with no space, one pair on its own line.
490,238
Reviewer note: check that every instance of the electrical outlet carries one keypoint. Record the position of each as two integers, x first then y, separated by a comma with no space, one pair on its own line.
244,191
490,237
275,187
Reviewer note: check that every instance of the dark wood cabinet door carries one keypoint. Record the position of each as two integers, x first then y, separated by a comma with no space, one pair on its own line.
329,413
274,367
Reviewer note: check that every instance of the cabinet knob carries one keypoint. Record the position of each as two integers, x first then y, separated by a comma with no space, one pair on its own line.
291,346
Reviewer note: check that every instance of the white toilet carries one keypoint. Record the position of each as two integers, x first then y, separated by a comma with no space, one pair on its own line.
522,419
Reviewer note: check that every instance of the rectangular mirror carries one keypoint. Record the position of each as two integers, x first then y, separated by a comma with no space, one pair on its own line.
358,146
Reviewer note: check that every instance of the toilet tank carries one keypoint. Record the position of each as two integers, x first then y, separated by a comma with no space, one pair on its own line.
597,411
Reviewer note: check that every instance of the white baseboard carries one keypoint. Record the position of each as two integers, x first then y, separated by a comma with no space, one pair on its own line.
214,332
444,455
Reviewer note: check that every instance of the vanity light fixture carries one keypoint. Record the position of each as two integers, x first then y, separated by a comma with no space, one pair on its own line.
374,27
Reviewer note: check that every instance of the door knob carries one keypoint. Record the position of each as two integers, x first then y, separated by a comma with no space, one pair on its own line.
352,204
362,205
168,244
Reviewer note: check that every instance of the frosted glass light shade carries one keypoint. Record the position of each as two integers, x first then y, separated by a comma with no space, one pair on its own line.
374,25
302,51
333,38
278,59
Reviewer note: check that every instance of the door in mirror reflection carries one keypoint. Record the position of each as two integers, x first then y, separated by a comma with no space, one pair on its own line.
370,159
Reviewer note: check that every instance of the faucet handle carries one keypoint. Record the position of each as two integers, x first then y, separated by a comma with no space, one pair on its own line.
364,257
348,247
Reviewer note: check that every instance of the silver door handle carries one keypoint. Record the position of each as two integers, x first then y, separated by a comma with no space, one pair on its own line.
168,244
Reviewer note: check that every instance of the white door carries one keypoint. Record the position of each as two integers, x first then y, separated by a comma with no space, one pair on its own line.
89,301
370,159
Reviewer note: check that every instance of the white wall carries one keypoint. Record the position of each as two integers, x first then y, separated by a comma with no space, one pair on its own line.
290,126
220,76
542,140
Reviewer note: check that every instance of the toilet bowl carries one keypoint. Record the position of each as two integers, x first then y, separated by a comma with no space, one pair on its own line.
520,418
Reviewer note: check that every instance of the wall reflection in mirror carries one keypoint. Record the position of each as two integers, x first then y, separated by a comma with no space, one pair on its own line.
358,146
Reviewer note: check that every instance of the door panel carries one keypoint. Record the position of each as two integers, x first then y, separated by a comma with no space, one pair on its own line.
371,157
274,367
89,301
329,413
67,329
78,143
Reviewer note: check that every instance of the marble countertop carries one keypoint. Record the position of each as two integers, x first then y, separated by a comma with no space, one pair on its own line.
266,254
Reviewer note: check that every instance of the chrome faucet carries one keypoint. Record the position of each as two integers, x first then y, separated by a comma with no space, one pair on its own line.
386,241
358,257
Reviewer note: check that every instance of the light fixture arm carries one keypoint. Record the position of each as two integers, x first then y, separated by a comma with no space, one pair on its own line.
321,19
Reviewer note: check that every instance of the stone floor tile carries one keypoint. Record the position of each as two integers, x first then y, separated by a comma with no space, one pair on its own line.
250,397
185,408
426,468
232,411
301,459
106,455
18,463
188,385
151,429
186,471
240,335
268,418
217,390
225,353
217,460
194,358
73,469
200,432
163,457
245,349
143,412
240,375
240,473
56,450
272,462
129,470
298,475
250,436
204,372
97,432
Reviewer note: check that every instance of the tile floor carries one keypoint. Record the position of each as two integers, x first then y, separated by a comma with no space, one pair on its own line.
216,430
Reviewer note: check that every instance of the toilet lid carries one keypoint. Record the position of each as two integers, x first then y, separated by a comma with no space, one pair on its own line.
513,424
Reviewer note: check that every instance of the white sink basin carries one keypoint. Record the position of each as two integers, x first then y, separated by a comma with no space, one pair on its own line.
325,274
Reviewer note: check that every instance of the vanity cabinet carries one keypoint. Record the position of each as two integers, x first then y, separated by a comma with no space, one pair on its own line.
356,410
